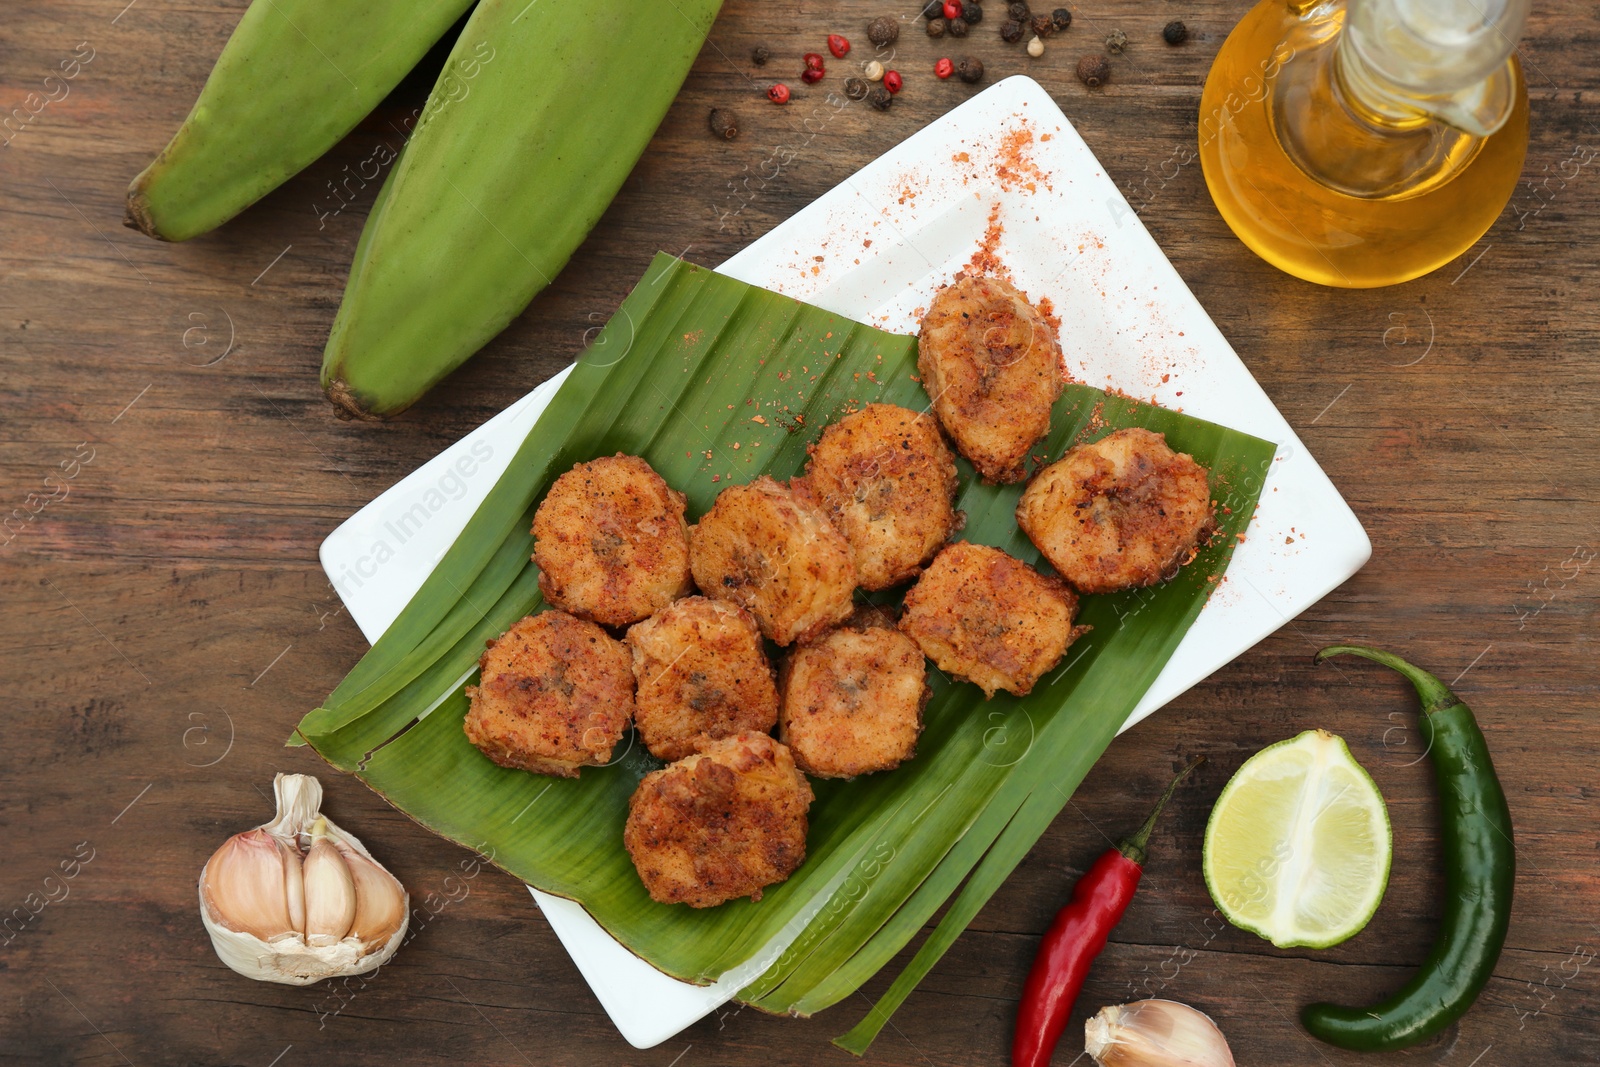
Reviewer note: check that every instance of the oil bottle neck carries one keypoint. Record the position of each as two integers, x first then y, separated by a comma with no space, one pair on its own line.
1401,63
1390,98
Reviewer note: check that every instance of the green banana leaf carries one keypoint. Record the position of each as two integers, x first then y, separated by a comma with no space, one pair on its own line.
714,381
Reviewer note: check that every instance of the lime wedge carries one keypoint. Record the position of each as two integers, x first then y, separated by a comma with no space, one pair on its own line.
1298,846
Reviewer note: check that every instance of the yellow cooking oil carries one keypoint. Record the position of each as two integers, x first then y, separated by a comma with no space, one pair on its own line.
1361,143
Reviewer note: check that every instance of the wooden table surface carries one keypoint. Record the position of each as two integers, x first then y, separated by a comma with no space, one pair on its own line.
166,622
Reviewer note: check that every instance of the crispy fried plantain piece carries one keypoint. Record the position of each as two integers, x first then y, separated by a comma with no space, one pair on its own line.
554,694
772,550
853,699
888,483
992,368
1123,512
989,618
611,542
722,824
701,674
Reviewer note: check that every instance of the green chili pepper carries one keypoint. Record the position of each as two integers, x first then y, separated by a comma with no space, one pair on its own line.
1480,868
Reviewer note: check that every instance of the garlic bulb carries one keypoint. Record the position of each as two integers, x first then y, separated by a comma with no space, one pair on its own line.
1155,1033
277,916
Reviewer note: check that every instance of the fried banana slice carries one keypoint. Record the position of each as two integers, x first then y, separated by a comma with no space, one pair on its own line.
853,699
992,368
611,543
888,483
989,618
554,694
772,551
701,674
1123,512
721,824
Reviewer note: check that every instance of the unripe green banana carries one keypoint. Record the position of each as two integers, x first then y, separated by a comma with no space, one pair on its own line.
295,77
500,183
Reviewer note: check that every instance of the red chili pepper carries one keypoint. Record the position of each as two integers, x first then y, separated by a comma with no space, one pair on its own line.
1076,937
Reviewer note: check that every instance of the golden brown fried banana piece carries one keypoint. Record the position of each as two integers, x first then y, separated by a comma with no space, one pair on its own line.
853,699
989,618
554,694
722,824
1123,512
992,367
888,483
611,542
702,675
772,551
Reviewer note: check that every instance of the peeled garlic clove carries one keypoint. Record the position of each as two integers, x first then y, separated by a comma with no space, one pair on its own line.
1155,1033
330,890
276,918
294,887
380,899
244,885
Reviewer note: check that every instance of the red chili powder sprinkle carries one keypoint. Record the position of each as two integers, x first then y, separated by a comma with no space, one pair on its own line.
1048,311
1014,164
986,260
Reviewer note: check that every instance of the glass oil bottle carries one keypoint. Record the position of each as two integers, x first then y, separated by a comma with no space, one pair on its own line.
1360,143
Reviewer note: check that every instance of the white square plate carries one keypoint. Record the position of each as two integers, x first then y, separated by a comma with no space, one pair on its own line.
1005,175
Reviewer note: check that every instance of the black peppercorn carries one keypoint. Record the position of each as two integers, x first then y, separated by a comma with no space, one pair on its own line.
1175,32
760,54
1011,31
1061,17
723,123
1093,71
880,98
855,88
1019,11
1116,41
1043,26
971,13
933,9
936,27
883,30
970,70
956,27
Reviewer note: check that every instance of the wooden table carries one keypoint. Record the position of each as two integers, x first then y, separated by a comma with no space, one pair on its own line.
167,623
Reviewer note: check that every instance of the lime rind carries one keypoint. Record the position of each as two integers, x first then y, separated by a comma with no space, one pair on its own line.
1298,847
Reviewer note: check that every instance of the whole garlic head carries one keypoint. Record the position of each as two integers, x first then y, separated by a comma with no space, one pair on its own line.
1155,1033
276,914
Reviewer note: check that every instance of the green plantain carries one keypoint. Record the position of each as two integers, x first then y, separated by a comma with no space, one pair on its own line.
295,77
504,177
